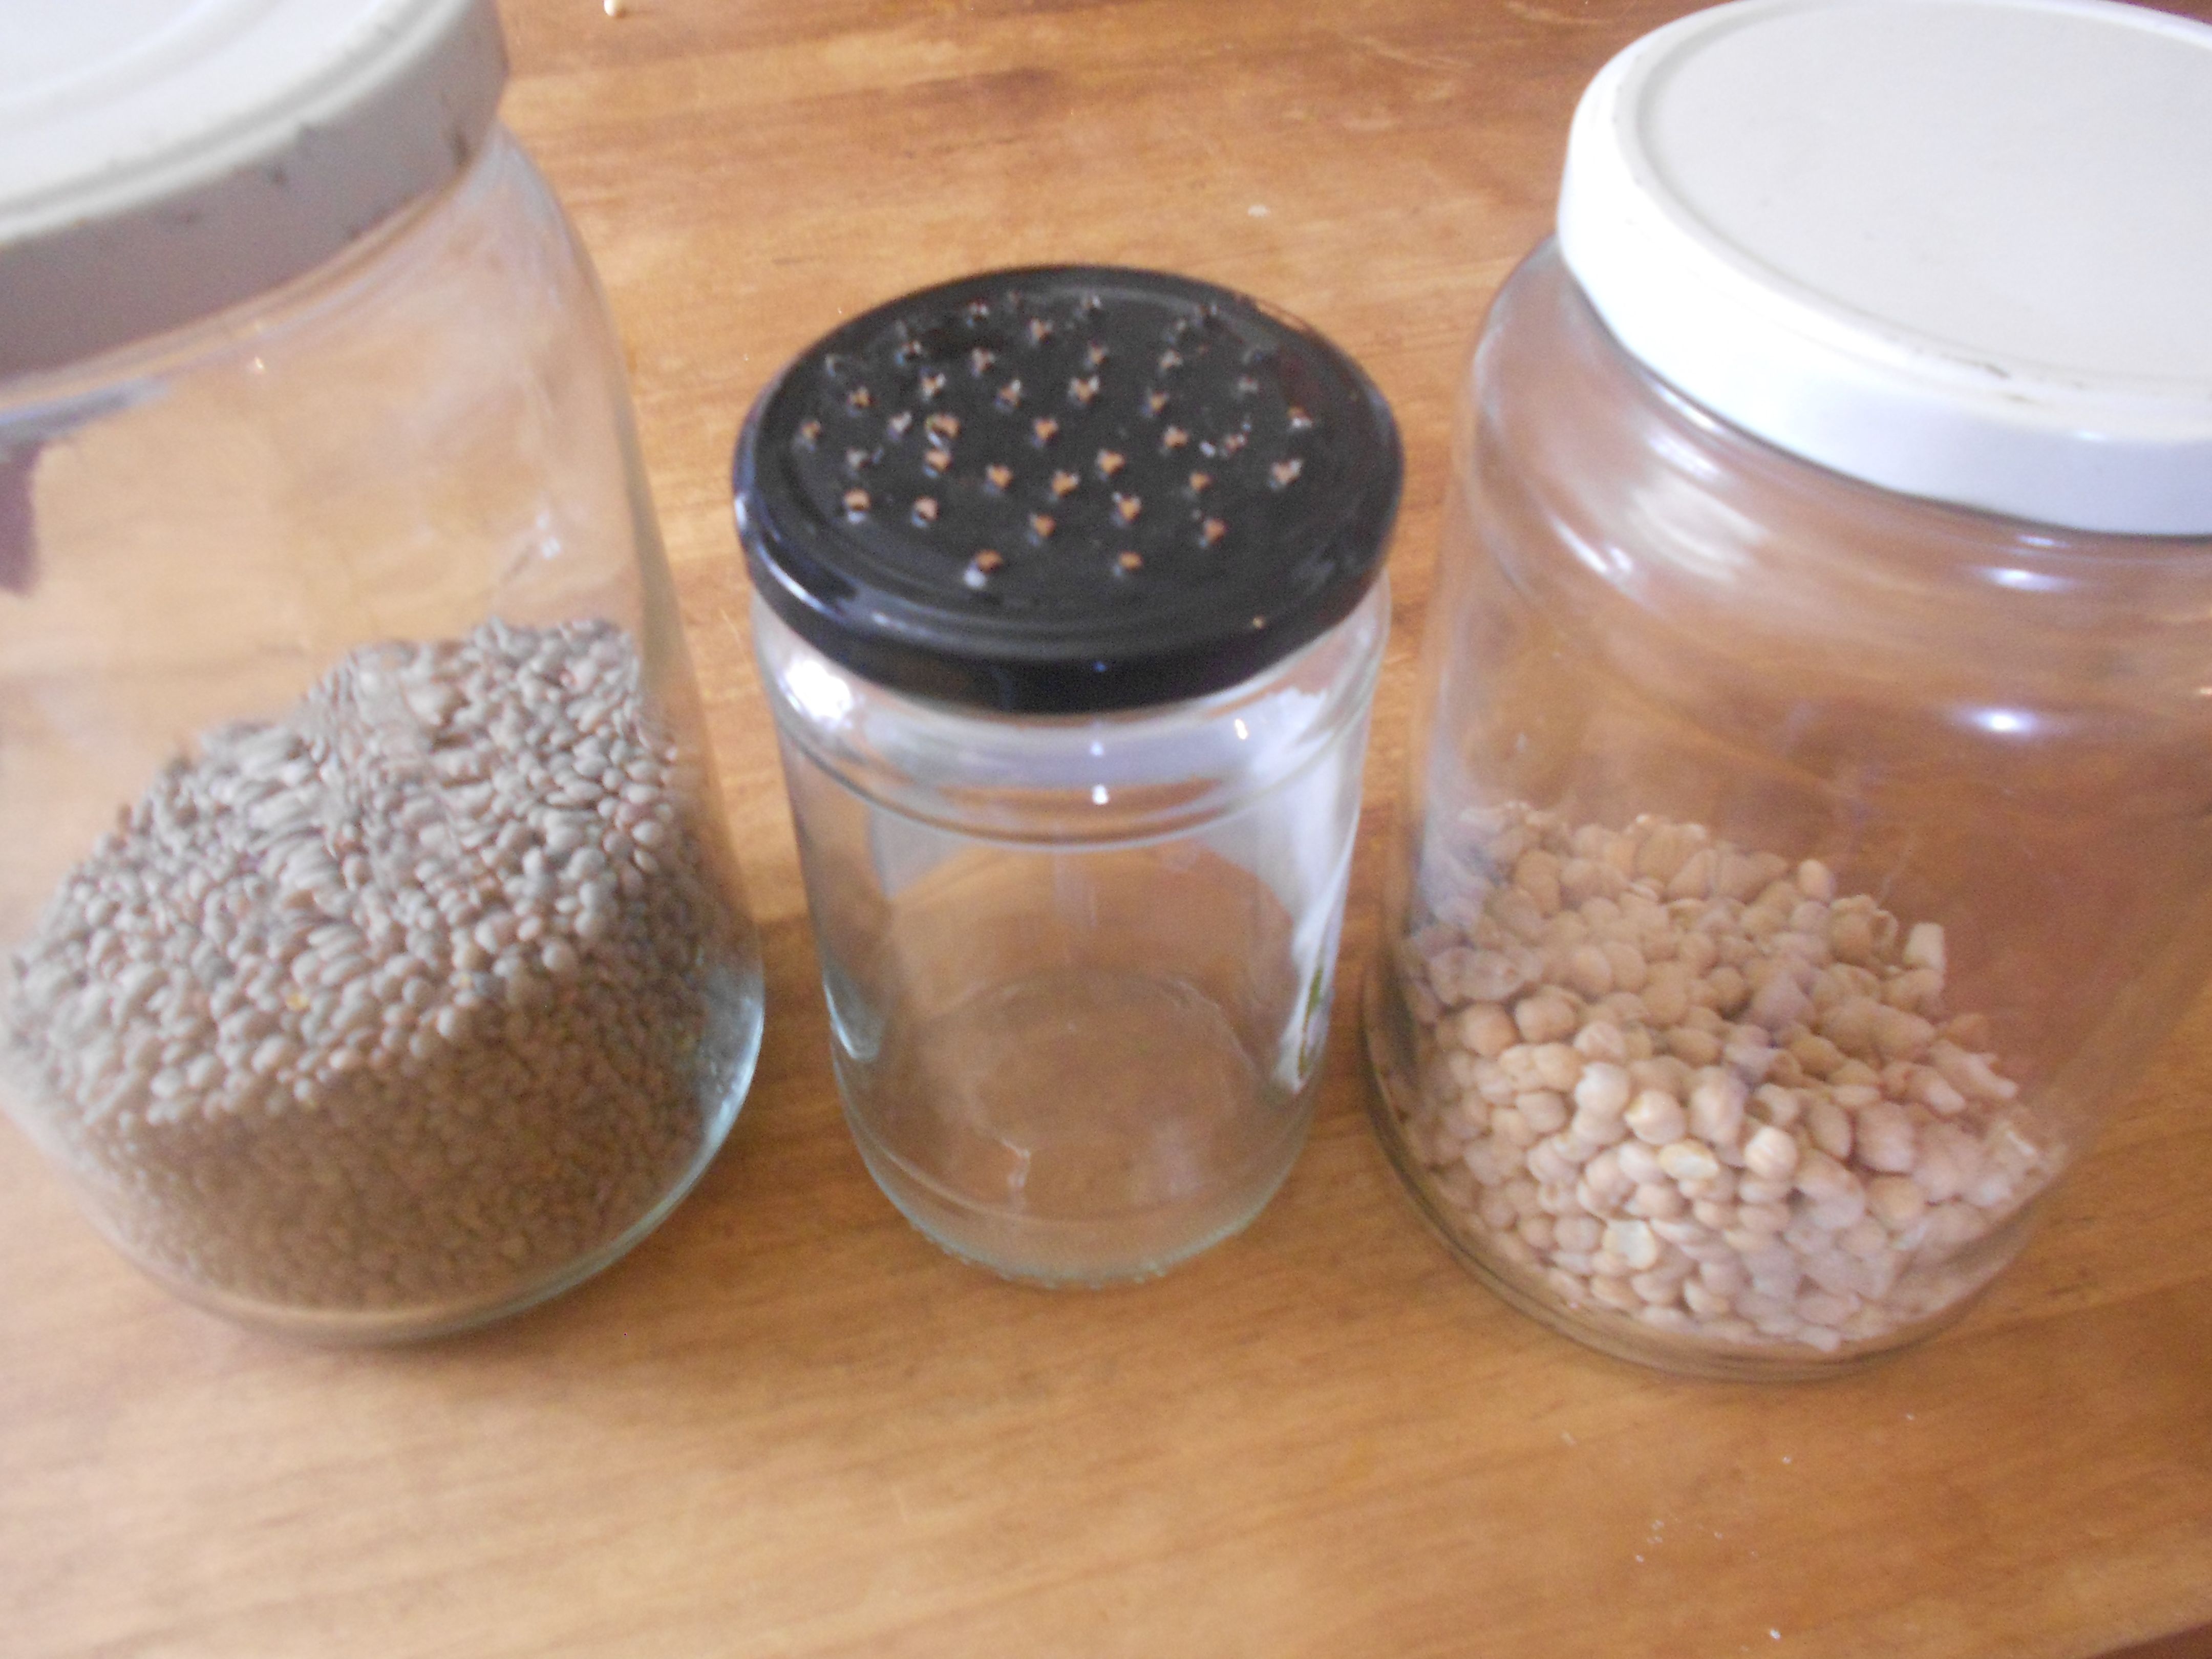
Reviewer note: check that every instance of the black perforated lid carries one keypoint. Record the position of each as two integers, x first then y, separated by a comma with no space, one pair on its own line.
1066,489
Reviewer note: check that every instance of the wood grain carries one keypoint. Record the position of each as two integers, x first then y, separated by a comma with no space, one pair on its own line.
788,1426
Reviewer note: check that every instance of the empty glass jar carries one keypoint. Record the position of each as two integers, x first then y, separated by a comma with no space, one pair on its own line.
1068,605
1807,836
375,961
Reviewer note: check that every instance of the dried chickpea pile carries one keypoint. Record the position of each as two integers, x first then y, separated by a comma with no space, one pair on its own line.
1690,1084
413,997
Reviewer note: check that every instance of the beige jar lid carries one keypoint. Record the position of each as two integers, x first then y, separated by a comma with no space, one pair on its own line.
1961,249
162,160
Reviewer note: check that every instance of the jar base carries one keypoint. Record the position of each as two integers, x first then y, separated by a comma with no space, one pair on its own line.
1080,1127
1617,1336
370,1326
1075,1254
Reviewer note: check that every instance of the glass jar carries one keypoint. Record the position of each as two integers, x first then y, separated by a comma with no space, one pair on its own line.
375,961
1806,835
1069,609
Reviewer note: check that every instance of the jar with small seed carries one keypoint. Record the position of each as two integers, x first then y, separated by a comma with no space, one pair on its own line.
1807,840
374,962
1068,604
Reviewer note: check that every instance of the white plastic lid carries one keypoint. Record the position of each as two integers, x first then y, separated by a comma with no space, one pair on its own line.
162,159
1961,249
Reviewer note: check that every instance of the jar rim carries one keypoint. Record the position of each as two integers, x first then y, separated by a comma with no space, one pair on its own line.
1117,778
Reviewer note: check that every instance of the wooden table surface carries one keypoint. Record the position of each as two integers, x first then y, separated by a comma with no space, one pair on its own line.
786,1425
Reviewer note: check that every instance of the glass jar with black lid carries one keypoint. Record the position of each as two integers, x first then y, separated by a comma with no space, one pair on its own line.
1068,602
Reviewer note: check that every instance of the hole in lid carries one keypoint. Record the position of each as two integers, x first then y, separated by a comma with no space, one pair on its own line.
936,460
979,361
933,382
1109,463
856,459
982,567
944,425
1285,472
924,510
1174,438
1171,360
998,474
1126,507
1044,429
1300,421
1010,395
1064,484
1095,354
856,503
1041,525
1200,482
1082,390
1040,331
860,397
1127,562
1211,531
1155,402
810,433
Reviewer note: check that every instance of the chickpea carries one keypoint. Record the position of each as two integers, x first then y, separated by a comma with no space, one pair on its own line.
1695,1086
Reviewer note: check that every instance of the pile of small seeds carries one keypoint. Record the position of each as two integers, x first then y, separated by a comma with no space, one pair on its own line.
1688,1085
412,999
